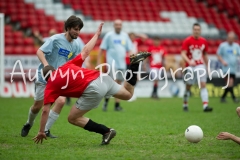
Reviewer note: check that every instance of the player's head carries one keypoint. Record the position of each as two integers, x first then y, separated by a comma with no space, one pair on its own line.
231,37
46,71
196,30
156,40
132,36
117,25
73,25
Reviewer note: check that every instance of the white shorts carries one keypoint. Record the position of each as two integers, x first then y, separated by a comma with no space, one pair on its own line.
39,91
191,77
156,74
119,75
95,92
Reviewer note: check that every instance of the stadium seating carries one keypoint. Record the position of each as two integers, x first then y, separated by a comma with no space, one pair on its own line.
172,19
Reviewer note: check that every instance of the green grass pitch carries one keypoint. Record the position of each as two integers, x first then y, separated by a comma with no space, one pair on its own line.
146,130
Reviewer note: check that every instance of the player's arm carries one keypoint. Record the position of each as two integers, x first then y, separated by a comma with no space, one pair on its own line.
186,59
227,136
90,45
205,58
219,55
41,57
221,60
44,117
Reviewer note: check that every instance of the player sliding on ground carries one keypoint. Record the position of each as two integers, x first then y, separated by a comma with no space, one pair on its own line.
89,86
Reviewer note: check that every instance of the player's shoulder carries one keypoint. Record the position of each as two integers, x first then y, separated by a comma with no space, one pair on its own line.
109,33
236,44
203,39
189,38
57,36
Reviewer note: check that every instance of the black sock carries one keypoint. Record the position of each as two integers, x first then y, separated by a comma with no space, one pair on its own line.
155,87
133,79
225,93
117,104
95,127
232,93
106,101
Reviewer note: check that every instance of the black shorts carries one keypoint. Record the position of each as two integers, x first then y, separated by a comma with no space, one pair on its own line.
233,76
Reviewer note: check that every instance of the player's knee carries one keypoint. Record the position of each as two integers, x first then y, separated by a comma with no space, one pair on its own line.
37,106
71,120
61,101
129,96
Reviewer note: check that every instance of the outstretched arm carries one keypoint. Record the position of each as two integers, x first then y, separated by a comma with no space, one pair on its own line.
90,45
41,134
227,136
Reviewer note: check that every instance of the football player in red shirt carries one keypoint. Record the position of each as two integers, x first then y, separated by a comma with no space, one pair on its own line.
194,53
156,62
89,86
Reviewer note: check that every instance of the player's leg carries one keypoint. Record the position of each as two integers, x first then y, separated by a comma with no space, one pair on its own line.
188,83
223,98
231,86
126,92
117,101
34,109
186,96
153,75
54,114
90,99
204,91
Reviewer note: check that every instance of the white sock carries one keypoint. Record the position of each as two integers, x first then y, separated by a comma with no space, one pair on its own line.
204,96
185,98
53,116
31,117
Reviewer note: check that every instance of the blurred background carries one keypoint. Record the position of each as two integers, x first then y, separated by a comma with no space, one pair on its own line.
27,24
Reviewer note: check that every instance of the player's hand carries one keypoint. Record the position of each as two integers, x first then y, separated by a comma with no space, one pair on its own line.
192,63
224,63
40,137
224,136
99,30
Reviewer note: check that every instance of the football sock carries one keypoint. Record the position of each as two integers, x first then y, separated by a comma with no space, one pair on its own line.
106,102
185,98
117,104
31,117
133,79
95,127
53,116
155,87
225,93
204,96
232,93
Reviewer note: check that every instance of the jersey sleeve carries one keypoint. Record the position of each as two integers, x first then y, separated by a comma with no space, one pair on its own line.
206,47
47,47
104,44
238,50
185,45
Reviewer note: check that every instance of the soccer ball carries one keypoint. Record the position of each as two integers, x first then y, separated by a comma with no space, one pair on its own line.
194,134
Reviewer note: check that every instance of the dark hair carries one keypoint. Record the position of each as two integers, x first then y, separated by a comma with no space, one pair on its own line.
73,21
196,24
47,69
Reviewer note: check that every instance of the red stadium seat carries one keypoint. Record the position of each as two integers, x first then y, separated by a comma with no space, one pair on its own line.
8,49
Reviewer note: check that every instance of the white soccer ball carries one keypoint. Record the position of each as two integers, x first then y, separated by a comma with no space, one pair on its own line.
194,134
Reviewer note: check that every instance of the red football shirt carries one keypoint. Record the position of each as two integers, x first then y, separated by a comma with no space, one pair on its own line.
195,49
70,80
157,55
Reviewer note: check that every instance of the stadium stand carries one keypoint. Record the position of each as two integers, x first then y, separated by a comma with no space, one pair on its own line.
172,20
